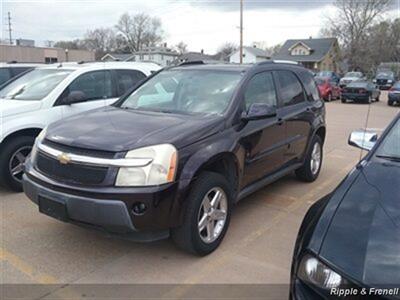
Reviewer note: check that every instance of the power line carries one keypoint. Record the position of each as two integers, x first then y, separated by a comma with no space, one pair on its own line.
9,28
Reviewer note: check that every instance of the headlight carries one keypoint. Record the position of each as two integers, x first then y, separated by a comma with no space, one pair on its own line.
374,80
38,139
162,168
313,271
390,81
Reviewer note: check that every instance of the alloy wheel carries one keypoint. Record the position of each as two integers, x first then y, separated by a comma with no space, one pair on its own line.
316,158
17,161
212,215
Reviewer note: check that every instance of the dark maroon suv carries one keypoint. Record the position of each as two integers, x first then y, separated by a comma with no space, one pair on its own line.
173,155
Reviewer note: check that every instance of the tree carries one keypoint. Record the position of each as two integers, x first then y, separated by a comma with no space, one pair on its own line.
350,25
101,40
225,50
75,44
181,47
140,30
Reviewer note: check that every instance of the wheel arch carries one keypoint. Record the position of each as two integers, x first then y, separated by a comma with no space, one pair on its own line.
33,132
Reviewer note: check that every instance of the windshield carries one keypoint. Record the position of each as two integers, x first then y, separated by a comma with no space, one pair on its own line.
353,74
390,146
34,85
385,74
185,91
324,74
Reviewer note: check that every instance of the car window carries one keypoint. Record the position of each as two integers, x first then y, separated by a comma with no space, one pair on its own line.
391,144
261,90
4,75
34,85
94,85
19,70
126,79
290,88
310,85
185,91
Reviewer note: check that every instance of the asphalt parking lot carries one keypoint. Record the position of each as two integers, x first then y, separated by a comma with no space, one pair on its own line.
256,250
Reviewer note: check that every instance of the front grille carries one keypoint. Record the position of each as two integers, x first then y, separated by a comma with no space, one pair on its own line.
381,81
79,151
71,173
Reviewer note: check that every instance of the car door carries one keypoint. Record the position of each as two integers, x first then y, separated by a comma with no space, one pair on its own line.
263,139
96,88
298,113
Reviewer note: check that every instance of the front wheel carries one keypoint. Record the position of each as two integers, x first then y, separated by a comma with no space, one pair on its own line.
12,158
312,165
207,215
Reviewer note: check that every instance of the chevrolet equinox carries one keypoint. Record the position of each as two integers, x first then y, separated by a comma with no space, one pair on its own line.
173,155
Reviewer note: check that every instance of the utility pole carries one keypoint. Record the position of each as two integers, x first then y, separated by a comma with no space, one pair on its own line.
9,28
241,32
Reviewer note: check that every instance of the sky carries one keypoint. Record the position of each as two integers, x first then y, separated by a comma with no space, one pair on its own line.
201,24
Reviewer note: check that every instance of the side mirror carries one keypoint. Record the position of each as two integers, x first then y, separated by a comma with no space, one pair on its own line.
74,97
259,111
363,139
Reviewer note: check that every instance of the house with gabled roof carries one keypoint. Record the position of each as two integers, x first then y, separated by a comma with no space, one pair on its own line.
251,55
322,54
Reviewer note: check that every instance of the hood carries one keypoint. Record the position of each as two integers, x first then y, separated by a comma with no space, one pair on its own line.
115,129
15,107
363,240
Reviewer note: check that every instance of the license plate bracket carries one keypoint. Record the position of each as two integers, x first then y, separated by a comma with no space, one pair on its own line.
53,208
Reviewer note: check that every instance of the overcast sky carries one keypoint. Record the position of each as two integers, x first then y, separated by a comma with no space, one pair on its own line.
202,24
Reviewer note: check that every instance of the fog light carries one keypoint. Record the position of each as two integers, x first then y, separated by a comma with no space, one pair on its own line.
139,208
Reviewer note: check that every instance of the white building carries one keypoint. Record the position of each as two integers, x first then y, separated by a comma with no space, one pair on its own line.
250,55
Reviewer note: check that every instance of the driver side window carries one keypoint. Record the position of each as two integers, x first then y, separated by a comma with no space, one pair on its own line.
261,90
93,85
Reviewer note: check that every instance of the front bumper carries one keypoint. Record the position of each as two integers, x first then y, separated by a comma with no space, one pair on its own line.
106,208
355,97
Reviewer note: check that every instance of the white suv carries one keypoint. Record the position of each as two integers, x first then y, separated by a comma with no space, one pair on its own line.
48,94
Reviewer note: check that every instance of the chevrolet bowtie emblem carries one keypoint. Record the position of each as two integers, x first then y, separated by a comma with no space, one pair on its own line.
63,158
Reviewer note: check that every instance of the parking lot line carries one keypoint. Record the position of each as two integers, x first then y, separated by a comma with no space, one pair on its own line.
181,290
25,268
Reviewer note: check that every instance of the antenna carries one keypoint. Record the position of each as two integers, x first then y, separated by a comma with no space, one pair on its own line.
9,28
365,128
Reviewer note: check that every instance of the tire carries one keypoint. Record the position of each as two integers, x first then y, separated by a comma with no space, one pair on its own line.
189,237
309,172
390,103
343,100
7,153
378,97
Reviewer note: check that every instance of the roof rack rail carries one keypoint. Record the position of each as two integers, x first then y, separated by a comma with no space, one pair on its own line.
273,61
193,62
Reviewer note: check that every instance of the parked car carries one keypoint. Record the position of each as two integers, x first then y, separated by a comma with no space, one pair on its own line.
384,79
328,88
361,91
332,76
9,71
394,94
351,77
48,94
173,156
350,239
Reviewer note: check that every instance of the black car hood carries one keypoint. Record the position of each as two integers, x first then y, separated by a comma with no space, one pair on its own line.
363,239
115,129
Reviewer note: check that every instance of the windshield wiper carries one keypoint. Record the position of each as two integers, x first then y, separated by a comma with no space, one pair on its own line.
390,157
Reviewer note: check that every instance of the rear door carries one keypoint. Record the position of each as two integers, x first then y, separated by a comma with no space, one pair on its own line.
97,88
298,113
264,139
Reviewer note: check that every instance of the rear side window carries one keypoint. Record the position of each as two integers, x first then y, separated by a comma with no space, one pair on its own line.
126,79
94,85
290,88
4,75
310,85
261,90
